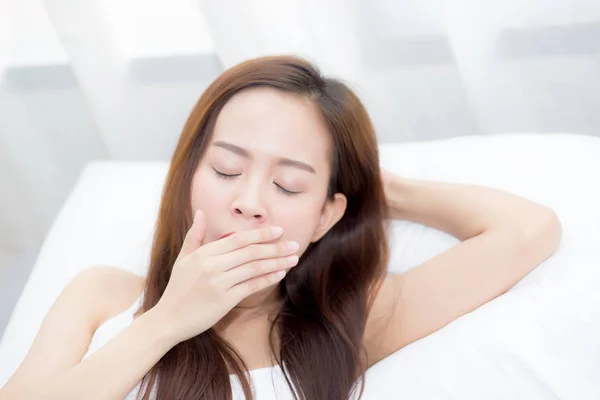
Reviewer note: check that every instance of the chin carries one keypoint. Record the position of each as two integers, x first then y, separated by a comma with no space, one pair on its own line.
208,238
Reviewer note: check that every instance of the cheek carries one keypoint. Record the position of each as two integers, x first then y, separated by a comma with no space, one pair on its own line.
298,223
205,195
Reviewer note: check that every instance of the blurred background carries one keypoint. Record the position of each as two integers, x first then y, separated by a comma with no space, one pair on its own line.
116,79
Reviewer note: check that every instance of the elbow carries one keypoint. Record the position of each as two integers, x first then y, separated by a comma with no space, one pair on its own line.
554,230
549,227
543,234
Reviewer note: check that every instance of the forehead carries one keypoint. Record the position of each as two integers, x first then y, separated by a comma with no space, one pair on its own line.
275,123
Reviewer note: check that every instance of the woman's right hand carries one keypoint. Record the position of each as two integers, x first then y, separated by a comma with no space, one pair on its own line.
207,281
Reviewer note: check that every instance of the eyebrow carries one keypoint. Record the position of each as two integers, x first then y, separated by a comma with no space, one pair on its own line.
287,162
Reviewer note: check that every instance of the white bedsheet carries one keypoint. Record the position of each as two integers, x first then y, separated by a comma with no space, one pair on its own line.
541,340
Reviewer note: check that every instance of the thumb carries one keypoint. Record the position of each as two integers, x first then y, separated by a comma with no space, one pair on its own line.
195,235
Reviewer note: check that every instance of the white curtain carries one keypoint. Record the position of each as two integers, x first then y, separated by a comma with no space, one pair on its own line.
115,79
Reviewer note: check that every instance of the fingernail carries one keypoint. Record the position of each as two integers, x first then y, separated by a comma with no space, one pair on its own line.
276,230
292,260
292,246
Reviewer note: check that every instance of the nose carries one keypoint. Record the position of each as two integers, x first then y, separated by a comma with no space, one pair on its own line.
249,204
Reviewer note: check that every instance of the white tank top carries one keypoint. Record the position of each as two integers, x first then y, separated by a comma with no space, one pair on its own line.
269,383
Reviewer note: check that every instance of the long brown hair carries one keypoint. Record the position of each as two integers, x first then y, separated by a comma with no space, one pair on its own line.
327,296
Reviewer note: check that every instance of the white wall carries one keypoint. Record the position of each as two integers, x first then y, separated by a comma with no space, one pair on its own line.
88,80
81,80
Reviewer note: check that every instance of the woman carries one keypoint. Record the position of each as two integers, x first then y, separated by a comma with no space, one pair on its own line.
270,249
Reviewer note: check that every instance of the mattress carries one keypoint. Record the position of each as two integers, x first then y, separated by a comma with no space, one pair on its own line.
540,340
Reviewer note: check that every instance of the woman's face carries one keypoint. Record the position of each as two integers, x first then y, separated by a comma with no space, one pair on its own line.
267,163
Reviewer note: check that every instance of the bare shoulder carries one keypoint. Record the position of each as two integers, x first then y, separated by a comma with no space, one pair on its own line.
424,299
105,291
381,318
91,297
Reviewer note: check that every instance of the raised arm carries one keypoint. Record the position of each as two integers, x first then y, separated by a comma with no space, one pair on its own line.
503,236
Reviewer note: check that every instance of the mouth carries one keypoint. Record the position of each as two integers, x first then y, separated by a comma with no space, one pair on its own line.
226,234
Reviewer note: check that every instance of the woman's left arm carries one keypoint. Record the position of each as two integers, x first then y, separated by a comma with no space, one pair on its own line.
503,236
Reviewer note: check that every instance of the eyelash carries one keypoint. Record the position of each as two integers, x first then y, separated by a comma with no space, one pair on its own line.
285,191
225,176
228,177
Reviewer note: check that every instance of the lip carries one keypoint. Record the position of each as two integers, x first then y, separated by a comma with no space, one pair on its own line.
226,234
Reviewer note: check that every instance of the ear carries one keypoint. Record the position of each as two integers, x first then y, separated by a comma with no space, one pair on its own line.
332,212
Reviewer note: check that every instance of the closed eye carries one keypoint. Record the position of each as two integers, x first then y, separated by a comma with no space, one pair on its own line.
225,176
285,191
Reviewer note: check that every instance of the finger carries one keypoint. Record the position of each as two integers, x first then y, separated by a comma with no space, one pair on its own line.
256,269
242,239
244,289
252,252
195,235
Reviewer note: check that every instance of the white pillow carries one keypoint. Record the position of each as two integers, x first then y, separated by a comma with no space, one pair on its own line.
109,217
558,170
541,340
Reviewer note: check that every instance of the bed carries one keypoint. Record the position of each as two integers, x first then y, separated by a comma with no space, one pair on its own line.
540,340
